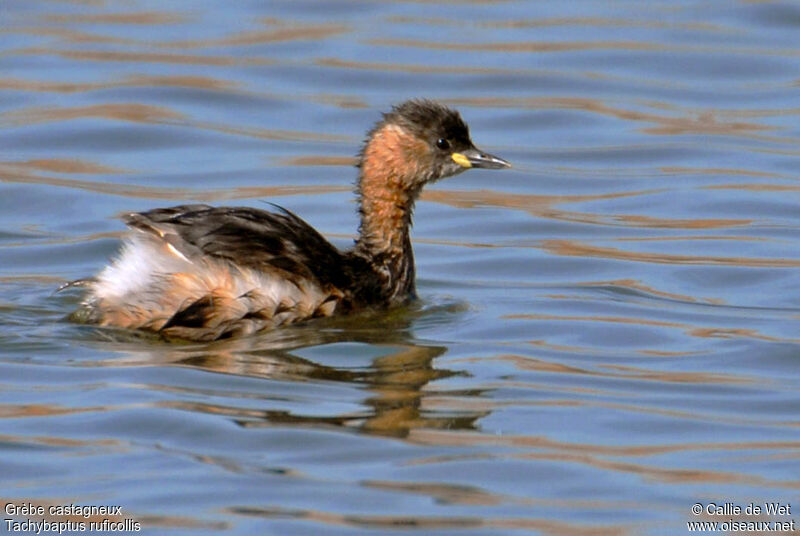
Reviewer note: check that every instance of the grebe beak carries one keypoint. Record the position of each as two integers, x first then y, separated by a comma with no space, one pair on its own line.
475,158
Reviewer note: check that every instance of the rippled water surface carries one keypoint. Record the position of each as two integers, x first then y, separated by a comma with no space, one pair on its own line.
607,333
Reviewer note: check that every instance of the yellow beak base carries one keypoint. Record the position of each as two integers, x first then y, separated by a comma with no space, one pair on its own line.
461,160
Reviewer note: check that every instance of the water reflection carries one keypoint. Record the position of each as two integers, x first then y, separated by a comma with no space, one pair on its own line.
393,386
547,206
137,17
430,523
194,82
245,38
702,121
576,248
147,57
23,173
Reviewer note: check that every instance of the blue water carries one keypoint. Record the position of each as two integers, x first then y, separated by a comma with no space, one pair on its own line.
606,335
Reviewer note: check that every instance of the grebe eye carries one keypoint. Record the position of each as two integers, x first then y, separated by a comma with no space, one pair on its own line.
442,144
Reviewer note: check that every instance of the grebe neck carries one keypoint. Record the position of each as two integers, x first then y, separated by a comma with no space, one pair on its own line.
385,224
387,189
384,242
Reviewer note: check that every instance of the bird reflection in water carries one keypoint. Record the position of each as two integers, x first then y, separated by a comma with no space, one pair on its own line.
396,379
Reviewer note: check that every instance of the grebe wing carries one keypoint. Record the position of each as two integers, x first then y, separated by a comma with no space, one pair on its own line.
201,273
244,236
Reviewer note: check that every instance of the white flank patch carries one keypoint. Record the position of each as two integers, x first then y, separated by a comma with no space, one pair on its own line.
136,277
139,260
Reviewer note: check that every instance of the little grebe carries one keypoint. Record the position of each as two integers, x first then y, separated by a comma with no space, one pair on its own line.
204,273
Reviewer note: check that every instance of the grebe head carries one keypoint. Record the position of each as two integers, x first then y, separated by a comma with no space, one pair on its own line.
421,141
418,142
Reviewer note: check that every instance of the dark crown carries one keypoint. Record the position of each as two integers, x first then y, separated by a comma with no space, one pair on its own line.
428,120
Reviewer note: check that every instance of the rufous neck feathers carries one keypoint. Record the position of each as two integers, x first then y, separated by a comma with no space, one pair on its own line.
392,173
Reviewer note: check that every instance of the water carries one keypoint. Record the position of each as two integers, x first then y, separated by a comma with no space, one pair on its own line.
607,333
